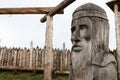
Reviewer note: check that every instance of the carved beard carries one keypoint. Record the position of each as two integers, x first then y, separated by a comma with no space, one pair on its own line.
81,60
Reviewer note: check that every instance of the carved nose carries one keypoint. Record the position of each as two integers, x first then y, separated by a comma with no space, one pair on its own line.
77,36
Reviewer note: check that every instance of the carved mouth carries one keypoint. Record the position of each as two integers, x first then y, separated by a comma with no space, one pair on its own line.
76,48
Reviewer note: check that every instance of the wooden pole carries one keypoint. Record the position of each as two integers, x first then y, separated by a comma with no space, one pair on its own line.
31,51
48,65
41,10
117,28
58,8
115,6
65,55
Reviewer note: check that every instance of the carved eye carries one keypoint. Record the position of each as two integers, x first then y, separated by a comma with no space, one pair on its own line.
72,29
83,27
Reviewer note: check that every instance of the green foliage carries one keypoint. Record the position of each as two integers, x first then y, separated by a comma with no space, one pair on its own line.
8,75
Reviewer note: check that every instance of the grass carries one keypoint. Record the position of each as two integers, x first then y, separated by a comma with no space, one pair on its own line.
9,75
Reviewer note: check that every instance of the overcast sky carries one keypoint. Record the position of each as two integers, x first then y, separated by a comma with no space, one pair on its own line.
20,30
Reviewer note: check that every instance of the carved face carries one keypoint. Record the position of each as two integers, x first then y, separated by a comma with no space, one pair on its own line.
80,33
81,40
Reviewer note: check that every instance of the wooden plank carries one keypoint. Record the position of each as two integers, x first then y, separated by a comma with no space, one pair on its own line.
15,57
48,49
40,10
61,61
34,58
37,55
31,51
21,69
39,58
62,72
2,55
42,58
58,8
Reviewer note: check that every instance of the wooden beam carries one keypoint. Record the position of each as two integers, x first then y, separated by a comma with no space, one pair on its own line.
111,4
58,8
35,10
21,69
62,72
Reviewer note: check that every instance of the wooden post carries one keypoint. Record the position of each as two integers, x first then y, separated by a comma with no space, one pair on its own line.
61,60
15,57
117,28
31,50
115,6
64,56
48,65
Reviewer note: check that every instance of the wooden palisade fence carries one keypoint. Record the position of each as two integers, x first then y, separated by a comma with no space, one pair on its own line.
20,59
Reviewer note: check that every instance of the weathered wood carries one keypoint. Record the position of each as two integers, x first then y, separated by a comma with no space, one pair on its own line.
68,59
64,56
58,8
37,57
0,56
31,51
115,6
117,28
90,55
48,65
61,60
28,58
62,72
20,60
43,58
24,57
34,58
41,10
111,4
13,58
9,52
22,69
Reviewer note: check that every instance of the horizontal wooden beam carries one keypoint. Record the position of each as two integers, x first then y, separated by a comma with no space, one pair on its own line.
21,69
62,72
58,8
41,10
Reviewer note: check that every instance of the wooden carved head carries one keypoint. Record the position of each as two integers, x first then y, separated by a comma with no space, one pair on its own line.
89,34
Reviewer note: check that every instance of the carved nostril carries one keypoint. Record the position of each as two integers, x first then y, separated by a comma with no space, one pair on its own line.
77,40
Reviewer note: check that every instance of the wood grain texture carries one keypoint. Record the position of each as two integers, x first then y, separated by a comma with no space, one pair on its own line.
117,29
90,57
37,10
58,8
48,64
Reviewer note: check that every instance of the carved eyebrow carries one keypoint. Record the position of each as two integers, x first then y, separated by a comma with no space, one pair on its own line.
83,26
73,29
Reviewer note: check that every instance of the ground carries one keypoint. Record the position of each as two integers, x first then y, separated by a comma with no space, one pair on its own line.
10,75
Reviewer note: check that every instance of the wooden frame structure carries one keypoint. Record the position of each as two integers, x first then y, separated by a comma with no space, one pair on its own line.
50,12
49,34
